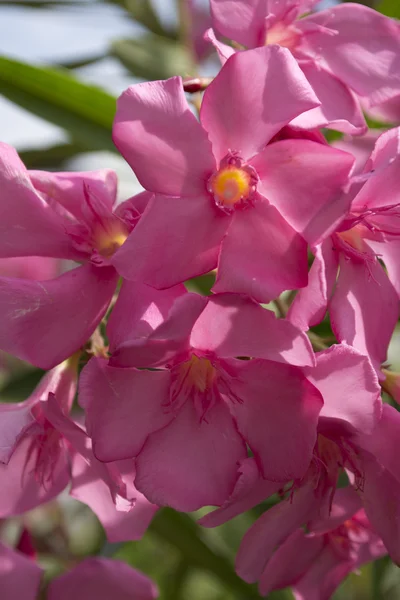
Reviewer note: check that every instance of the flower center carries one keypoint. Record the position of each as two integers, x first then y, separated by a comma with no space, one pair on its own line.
198,373
284,35
109,236
234,184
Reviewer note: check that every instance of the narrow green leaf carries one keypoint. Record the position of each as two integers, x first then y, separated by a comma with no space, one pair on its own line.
153,57
85,111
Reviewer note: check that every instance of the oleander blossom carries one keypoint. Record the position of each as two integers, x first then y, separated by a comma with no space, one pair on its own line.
346,51
58,215
187,421
363,300
223,195
43,450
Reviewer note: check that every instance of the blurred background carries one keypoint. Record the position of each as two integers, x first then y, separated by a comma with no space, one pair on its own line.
62,64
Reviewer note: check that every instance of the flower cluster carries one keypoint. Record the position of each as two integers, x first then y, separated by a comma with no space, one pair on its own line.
195,400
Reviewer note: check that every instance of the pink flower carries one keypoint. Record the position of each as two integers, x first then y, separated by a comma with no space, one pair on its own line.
188,422
352,408
223,195
42,450
315,563
345,51
64,216
99,578
362,301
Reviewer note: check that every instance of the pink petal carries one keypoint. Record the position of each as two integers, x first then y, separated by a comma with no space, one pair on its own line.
277,416
123,406
250,489
381,189
139,310
349,387
30,267
381,440
381,499
389,251
68,189
290,561
241,112
142,347
102,578
21,490
159,136
261,255
19,576
28,226
346,504
324,576
224,51
46,322
17,419
192,462
312,173
310,304
233,325
364,52
364,309
271,530
119,525
240,20
176,239
340,108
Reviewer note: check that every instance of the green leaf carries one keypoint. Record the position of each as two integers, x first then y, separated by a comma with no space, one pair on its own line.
85,111
153,57
390,8
179,530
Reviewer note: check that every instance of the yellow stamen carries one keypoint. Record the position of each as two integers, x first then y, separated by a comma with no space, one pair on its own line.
231,185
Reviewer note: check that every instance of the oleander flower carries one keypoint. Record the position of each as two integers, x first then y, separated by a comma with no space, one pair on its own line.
60,215
188,419
363,300
345,51
223,195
